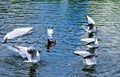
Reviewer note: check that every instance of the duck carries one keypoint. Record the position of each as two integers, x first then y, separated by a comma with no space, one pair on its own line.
17,33
50,43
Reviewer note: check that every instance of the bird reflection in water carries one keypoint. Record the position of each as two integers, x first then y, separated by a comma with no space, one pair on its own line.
89,70
33,70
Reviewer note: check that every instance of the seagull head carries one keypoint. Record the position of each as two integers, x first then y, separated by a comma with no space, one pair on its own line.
50,32
34,55
4,40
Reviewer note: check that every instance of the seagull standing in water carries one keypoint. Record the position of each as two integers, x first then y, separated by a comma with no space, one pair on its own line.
89,59
17,33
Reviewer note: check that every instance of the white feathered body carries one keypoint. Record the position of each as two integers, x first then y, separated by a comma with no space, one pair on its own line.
50,32
90,61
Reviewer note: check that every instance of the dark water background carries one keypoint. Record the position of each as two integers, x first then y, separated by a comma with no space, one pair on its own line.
67,17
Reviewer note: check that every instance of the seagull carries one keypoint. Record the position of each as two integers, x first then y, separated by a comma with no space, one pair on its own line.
89,59
25,52
91,25
93,44
50,32
16,33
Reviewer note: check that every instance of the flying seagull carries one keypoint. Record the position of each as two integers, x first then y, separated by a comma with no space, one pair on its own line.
89,59
16,33
25,52
93,44
91,25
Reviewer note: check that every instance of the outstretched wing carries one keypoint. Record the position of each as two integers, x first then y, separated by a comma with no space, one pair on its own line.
88,40
17,32
90,20
82,53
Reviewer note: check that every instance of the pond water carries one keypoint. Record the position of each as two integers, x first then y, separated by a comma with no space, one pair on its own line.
67,17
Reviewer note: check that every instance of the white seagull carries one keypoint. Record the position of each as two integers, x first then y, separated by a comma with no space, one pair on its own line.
91,25
16,33
93,44
50,32
25,52
89,59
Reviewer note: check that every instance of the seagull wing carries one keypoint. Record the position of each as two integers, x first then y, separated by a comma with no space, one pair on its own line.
90,20
23,51
82,53
88,40
17,32
11,48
